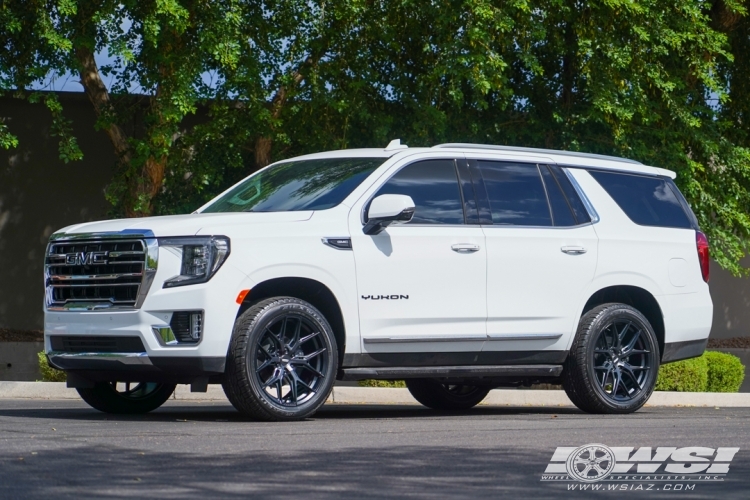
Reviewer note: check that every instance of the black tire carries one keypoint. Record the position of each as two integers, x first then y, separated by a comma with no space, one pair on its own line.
613,362
282,360
138,397
438,396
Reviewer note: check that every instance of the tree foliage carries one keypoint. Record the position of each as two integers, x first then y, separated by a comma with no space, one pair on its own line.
661,81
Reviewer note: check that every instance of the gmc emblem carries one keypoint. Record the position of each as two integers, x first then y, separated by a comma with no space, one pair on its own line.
86,258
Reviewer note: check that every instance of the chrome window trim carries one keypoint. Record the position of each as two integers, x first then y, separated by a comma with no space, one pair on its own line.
586,202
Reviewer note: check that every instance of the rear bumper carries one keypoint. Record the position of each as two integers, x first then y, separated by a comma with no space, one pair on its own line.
675,351
132,366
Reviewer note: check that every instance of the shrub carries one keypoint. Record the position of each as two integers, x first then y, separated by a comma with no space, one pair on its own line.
50,374
381,383
690,375
725,372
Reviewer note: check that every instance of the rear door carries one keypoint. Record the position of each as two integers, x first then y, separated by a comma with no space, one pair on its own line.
541,254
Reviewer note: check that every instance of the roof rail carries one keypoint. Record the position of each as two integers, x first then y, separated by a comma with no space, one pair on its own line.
536,150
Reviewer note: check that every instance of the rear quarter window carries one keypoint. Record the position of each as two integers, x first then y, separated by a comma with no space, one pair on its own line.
648,201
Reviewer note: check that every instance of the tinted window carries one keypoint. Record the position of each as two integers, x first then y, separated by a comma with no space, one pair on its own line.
516,194
297,185
581,214
648,201
562,214
433,186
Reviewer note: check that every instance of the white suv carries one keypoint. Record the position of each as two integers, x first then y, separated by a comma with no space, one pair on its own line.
459,268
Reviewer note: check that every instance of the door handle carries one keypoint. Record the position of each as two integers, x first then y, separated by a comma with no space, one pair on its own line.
573,250
465,248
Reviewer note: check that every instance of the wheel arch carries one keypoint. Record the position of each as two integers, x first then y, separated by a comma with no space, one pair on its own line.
636,297
309,290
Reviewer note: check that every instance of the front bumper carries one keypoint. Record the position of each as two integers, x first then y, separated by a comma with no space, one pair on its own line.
137,367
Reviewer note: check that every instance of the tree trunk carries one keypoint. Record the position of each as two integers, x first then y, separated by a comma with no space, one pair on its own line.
262,152
99,96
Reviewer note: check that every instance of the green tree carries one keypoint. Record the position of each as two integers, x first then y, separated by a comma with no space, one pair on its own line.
661,81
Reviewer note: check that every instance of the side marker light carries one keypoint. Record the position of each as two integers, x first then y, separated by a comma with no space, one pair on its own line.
242,295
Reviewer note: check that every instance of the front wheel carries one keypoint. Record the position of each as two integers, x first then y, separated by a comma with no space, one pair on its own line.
127,397
439,396
282,360
613,363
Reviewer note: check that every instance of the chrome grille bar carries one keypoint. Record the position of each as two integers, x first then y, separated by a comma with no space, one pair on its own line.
105,270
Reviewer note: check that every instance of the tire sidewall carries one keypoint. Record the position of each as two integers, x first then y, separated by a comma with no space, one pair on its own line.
592,335
266,318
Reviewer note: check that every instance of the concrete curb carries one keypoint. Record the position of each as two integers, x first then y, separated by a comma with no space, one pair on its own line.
381,396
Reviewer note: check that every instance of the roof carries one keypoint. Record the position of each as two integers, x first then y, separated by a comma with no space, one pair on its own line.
563,158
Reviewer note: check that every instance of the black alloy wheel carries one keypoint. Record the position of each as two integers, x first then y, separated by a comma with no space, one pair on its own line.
613,363
127,397
440,396
290,360
282,361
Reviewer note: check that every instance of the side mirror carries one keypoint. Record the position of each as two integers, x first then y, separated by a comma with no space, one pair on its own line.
387,209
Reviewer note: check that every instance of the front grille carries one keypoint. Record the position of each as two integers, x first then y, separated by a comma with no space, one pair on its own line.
85,343
105,272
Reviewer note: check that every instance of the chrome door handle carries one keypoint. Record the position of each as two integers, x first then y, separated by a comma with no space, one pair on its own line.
572,250
465,248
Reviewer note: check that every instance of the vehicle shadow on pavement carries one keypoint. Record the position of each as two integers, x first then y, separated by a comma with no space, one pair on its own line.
223,411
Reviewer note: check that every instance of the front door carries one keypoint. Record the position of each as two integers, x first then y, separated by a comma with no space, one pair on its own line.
422,285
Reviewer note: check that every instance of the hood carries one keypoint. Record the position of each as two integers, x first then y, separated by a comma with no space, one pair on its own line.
184,225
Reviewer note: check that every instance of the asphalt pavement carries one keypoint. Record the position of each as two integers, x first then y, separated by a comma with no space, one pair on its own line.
64,449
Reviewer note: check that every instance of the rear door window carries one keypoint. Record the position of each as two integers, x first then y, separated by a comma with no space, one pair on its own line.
515,193
562,213
646,200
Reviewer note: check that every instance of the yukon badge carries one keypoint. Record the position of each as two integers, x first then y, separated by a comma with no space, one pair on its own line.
385,297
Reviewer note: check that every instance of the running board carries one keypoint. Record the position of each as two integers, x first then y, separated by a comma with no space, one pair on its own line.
402,372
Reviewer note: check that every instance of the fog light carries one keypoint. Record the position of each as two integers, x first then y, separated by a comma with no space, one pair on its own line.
196,325
187,326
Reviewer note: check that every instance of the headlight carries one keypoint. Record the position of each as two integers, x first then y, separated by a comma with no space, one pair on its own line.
202,256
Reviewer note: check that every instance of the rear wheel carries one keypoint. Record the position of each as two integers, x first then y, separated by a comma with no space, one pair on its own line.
127,397
438,396
614,360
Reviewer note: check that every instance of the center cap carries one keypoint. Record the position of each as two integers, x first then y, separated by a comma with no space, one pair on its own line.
285,360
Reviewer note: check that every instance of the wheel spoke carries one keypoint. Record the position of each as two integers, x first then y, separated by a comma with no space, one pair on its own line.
621,335
294,343
631,345
308,337
278,389
309,367
275,339
292,378
627,369
637,351
617,378
265,351
313,354
282,332
277,375
265,364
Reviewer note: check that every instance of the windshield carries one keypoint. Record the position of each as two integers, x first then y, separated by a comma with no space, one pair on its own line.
297,185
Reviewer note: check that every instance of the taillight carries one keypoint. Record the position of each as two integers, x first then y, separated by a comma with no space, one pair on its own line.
701,242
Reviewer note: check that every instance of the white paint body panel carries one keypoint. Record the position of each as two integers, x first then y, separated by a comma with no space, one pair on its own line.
518,282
